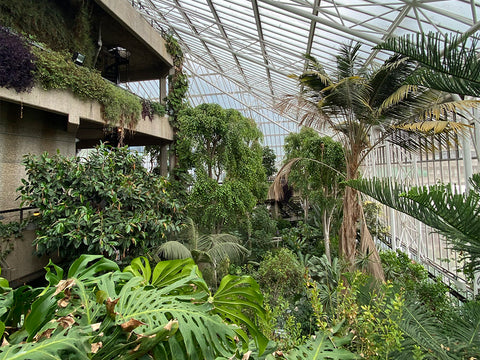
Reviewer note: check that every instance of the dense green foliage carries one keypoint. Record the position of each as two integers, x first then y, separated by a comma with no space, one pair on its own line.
221,146
281,274
62,25
269,161
106,203
99,312
316,168
55,70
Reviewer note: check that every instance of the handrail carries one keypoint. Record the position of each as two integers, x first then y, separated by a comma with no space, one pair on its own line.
21,210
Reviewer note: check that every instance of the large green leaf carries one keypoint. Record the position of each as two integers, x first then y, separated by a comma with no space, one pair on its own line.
322,347
42,311
236,296
90,266
201,334
62,345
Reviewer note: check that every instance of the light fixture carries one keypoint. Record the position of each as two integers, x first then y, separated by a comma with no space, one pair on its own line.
78,58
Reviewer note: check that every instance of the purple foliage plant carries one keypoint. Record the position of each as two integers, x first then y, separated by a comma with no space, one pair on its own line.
16,62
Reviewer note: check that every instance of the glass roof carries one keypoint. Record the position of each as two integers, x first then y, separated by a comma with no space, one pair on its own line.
240,53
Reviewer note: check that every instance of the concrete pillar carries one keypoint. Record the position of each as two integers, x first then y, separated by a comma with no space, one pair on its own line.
164,160
163,89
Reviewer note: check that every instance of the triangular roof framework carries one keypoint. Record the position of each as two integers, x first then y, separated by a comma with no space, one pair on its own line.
240,53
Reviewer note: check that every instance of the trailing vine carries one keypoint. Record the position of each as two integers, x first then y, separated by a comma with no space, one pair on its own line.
176,98
55,70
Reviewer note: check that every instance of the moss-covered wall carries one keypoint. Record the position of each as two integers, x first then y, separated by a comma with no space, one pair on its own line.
61,24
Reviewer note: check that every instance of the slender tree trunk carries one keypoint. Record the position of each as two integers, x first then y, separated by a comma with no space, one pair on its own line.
326,234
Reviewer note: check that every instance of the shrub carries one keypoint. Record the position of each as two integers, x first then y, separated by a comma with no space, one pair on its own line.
16,62
106,203
281,273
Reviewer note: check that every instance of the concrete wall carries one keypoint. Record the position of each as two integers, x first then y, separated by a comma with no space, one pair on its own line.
25,130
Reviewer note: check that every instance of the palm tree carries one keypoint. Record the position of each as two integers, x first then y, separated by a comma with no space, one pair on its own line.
352,102
207,250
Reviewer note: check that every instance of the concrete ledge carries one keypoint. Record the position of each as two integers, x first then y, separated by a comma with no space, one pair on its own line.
64,102
123,11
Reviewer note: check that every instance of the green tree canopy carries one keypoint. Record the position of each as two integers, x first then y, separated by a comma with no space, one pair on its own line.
316,167
223,149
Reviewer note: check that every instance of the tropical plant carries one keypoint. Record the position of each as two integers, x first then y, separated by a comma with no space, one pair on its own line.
281,275
414,278
315,166
351,102
17,62
223,148
105,203
264,229
447,62
99,312
269,161
445,208
207,250
324,345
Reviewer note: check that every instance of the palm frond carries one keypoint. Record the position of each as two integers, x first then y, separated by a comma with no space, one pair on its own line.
422,332
276,189
434,127
172,250
227,250
464,330
305,107
347,61
396,97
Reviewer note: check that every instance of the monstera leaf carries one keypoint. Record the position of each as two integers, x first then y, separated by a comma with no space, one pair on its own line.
201,334
323,346
61,345
99,312
235,295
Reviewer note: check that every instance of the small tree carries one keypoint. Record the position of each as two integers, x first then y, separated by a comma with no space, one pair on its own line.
106,203
315,166
223,149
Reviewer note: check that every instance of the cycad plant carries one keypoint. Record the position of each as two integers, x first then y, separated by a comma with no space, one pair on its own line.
207,250
351,102
448,63
449,211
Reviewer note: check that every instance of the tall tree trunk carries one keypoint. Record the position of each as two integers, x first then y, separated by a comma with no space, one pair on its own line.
352,214
369,250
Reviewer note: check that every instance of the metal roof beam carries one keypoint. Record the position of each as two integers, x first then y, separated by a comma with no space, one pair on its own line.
344,29
258,23
225,36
